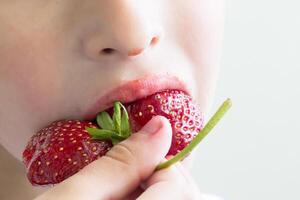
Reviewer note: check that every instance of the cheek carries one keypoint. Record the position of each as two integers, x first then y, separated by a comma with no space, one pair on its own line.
203,31
26,79
201,37
26,66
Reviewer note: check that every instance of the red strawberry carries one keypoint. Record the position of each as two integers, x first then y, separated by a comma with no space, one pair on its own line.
182,112
60,150
64,147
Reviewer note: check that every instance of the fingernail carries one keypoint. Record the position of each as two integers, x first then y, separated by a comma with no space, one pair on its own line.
153,126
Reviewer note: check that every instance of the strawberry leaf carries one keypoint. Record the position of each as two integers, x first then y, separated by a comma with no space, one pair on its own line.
105,121
115,129
95,132
117,117
102,134
115,141
125,127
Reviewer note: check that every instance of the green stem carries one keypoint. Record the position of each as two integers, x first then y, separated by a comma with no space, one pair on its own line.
207,128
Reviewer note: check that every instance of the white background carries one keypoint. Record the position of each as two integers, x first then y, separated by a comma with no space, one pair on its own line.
254,153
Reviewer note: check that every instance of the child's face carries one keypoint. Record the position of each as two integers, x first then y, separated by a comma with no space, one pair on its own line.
58,57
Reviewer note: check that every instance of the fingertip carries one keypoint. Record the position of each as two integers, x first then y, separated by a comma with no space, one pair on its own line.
164,134
155,124
159,131
151,127
164,124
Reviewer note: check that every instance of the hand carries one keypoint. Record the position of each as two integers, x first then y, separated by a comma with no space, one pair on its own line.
127,166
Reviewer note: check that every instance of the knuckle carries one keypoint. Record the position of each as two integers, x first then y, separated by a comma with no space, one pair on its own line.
124,157
122,154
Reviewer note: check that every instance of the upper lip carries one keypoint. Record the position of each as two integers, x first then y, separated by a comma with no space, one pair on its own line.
133,90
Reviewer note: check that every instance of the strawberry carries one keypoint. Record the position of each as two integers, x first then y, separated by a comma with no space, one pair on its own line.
179,108
64,147
60,150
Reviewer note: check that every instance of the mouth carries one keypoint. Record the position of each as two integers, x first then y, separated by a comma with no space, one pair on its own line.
133,90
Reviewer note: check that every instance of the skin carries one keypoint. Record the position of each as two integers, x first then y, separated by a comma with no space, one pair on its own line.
52,58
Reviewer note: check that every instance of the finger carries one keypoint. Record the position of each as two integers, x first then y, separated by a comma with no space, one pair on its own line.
170,183
121,170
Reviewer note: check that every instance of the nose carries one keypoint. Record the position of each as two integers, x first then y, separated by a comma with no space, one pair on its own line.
121,28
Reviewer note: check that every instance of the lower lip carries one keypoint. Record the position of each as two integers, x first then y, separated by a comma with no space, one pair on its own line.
135,90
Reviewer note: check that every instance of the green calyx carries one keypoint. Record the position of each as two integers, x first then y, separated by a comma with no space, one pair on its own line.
115,129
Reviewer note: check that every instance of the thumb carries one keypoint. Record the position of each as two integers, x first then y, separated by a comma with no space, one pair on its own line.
125,166
134,160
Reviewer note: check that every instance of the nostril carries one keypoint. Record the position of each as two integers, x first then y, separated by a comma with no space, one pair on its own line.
107,51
